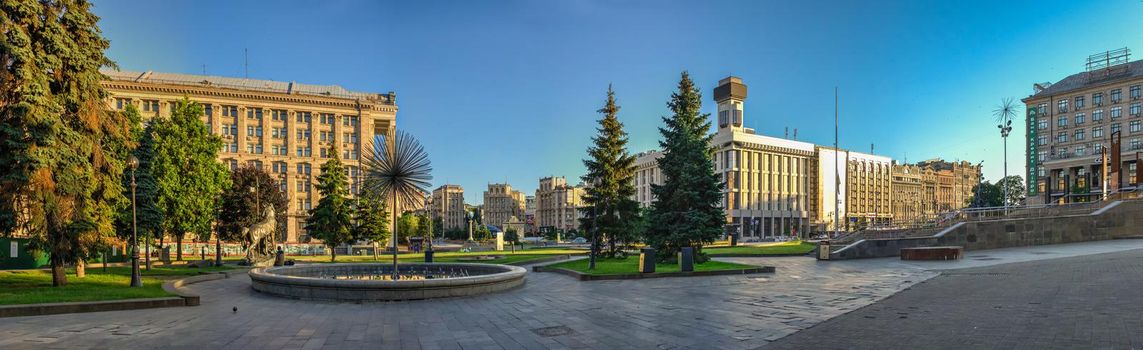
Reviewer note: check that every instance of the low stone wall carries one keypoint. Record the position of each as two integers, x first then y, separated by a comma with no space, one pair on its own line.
294,282
1119,219
634,276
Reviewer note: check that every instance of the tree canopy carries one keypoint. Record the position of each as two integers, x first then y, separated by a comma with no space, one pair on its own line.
609,212
329,221
241,207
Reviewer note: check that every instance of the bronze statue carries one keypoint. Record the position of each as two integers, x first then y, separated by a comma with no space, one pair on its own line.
260,240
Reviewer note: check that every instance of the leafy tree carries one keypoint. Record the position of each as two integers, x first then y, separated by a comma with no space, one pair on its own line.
1015,185
242,208
409,223
59,175
456,234
422,227
481,233
369,219
609,212
512,236
329,221
985,195
686,212
189,178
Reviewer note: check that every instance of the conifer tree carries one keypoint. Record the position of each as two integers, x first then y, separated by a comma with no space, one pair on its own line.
329,221
370,218
609,212
59,177
686,212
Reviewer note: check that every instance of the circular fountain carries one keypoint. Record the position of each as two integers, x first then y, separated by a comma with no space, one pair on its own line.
374,282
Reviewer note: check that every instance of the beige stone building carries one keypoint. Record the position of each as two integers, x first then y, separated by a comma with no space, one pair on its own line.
647,173
1071,121
865,189
908,195
448,206
286,128
557,204
503,204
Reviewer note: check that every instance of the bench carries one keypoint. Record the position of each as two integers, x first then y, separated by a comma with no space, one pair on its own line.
932,253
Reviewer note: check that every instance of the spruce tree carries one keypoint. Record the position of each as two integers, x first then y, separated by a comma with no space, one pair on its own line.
686,212
59,177
188,176
329,221
148,216
609,212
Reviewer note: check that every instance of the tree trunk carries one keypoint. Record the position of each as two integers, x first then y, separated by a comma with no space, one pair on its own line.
217,251
332,254
80,268
59,275
179,248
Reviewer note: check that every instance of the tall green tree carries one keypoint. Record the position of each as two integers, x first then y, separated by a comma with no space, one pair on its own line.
370,221
148,219
188,176
609,212
242,208
686,212
59,178
1015,185
329,221
408,223
986,194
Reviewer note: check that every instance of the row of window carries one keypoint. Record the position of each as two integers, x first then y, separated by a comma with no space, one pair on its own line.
1136,109
1116,95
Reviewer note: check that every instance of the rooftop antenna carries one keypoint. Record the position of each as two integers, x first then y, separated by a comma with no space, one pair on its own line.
204,69
871,148
787,134
246,63
795,133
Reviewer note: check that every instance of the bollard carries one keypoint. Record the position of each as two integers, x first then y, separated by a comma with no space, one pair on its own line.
823,250
647,260
428,255
687,259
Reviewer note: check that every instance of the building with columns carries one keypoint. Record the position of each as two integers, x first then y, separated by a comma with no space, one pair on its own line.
503,204
286,128
448,206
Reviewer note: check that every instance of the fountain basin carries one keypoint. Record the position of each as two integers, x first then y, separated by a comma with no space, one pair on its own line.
371,282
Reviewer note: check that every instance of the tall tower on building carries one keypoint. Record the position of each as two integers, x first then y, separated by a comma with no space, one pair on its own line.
729,95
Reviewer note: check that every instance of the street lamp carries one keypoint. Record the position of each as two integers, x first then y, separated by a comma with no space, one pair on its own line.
1004,114
136,280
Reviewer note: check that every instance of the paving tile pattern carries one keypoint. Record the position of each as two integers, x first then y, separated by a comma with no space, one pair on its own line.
551,311
1086,302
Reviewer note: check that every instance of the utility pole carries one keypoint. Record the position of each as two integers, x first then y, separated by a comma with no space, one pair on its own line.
836,171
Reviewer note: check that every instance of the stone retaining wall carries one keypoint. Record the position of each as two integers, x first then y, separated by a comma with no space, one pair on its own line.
280,281
1119,219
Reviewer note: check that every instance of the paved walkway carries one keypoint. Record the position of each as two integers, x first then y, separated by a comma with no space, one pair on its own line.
1083,302
550,311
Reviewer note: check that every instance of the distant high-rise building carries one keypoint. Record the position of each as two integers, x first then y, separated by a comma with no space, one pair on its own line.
557,204
448,206
502,204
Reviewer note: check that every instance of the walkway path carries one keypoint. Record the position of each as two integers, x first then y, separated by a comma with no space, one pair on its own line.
550,311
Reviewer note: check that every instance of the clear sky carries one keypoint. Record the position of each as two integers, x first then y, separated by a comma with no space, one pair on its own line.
507,90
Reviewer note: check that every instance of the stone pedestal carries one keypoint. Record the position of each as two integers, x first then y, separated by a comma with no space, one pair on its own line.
500,241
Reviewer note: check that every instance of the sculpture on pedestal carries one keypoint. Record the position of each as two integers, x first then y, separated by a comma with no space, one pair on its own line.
259,240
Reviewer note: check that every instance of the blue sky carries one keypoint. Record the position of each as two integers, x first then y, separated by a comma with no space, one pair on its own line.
507,90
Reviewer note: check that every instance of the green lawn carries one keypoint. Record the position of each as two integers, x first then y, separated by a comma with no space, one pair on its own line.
783,248
35,286
630,265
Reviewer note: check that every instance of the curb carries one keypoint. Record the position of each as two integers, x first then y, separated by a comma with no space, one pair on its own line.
635,276
181,299
541,260
716,255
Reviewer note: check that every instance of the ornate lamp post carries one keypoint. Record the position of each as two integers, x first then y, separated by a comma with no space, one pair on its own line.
1004,114
136,280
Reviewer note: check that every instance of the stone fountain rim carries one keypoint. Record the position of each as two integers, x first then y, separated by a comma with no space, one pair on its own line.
508,272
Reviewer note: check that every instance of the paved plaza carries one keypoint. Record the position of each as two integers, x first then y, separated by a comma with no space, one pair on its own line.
732,312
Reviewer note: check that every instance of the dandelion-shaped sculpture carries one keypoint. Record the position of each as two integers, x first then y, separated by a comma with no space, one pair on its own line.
398,169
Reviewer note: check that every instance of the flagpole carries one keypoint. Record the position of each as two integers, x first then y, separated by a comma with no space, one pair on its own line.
836,171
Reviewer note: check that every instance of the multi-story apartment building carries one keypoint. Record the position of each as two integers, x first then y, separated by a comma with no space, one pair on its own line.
865,182
951,183
286,128
448,206
503,204
907,195
557,204
1072,121
647,173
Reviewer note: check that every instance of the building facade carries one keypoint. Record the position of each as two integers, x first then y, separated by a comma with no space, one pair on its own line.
908,195
286,128
1072,121
557,204
862,181
647,173
448,207
530,214
503,204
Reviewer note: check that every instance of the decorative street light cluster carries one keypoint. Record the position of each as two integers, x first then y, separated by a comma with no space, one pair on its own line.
1004,115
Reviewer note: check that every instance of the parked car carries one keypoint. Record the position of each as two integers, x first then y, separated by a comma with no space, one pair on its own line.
579,240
